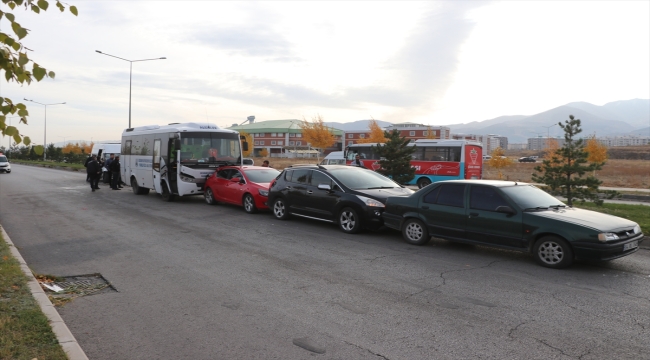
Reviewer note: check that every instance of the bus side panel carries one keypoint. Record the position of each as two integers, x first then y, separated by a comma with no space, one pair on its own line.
473,161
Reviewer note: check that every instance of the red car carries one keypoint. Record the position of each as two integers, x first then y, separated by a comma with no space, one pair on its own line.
246,186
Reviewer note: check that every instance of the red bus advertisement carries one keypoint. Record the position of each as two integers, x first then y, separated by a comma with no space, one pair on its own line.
433,160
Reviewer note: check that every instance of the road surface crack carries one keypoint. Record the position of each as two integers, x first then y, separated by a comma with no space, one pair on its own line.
368,350
510,333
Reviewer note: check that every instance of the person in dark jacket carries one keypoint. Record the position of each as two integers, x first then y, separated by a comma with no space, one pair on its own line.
94,170
107,165
90,157
115,176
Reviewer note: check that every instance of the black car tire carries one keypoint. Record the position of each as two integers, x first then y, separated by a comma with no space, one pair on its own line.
166,195
249,204
423,182
280,210
553,252
137,189
415,232
209,197
349,221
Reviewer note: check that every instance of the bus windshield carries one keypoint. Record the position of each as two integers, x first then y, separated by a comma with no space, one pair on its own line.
210,148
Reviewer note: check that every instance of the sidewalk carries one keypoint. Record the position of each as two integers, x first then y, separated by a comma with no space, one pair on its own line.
60,329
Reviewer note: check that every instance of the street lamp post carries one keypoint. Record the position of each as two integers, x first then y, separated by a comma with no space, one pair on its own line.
44,126
130,74
548,133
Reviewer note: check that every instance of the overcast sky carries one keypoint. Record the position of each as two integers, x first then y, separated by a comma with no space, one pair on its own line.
433,62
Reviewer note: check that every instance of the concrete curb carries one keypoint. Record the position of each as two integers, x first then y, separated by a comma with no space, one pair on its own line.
60,329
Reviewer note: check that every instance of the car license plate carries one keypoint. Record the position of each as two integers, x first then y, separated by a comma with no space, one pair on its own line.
630,245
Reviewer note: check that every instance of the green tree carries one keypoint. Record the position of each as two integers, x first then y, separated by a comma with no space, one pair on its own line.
16,64
395,156
563,171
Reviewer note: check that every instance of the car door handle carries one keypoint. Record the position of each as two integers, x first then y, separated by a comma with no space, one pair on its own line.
309,192
425,207
288,188
473,214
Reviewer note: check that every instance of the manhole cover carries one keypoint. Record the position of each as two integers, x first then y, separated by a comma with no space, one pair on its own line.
66,288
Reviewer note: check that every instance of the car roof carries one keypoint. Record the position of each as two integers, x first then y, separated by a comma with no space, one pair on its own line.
245,167
497,183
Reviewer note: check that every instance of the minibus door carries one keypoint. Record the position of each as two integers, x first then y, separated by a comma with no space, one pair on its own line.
172,167
156,164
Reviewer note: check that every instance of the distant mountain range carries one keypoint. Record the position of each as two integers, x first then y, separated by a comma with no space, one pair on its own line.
618,118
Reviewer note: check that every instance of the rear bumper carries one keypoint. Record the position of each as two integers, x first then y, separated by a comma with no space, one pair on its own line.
604,251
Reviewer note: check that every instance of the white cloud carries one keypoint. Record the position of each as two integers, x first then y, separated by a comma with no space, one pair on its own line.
433,62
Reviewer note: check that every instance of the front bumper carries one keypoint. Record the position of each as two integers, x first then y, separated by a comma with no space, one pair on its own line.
372,218
604,251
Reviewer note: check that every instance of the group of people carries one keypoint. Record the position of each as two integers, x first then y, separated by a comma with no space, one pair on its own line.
94,171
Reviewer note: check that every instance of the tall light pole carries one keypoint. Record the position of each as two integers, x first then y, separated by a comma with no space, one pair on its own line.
548,133
130,74
45,126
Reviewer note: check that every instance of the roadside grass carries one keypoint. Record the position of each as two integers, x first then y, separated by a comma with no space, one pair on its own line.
637,213
615,173
25,332
78,167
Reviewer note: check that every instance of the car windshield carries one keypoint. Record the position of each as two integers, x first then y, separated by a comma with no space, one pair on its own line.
3,158
262,175
530,197
360,179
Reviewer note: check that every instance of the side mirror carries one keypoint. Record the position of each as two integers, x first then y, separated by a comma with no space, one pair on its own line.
506,210
324,187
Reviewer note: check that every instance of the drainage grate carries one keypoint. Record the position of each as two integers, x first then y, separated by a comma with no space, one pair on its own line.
79,285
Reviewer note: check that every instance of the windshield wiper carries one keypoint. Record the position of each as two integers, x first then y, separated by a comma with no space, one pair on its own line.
381,187
557,206
537,208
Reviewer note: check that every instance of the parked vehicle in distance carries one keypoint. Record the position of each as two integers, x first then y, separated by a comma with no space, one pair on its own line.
103,152
511,215
5,166
351,197
487,157
246,186
527,159
433,160
334,158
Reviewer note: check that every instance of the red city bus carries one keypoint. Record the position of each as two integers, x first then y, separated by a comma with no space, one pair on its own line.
433,160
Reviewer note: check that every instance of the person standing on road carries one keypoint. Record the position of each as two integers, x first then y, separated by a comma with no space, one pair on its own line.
94,170
357,162
90,157
107,165
115,176
265,163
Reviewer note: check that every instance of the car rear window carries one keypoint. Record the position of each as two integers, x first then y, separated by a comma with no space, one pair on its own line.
262,175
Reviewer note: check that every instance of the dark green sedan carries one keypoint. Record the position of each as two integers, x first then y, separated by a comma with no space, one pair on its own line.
511,215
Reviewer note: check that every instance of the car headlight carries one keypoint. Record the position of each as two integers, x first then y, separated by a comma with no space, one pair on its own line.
603,237
263,192
188,179
370,202
637,229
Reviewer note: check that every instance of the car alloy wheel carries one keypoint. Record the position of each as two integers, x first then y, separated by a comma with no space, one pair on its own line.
349,221
209,197
415,232
280,210
249,204
553,252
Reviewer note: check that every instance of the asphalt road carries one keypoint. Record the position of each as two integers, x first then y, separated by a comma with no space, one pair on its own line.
201,282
